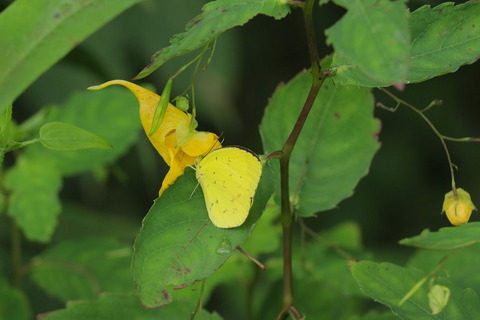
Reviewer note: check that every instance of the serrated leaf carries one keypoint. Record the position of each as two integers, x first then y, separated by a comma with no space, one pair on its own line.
371,43
178,245
446,238
83,268
443,39
62,136
388,283
34,203
37,34
112,114
124,307
335,147
216,17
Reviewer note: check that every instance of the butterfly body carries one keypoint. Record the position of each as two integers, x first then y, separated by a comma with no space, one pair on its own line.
229,178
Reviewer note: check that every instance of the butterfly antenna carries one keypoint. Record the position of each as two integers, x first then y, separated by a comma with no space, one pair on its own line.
191,195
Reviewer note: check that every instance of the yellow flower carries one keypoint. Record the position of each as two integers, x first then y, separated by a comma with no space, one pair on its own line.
175,140
458,207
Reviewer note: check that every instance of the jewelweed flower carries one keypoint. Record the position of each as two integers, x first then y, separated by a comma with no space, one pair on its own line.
458,207
176,140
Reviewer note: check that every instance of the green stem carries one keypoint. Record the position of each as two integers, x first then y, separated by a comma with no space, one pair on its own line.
286,210
439,135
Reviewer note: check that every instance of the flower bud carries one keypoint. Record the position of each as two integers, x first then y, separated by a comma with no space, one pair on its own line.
438,297
458,207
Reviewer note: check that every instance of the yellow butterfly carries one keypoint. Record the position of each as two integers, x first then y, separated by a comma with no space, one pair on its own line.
229,178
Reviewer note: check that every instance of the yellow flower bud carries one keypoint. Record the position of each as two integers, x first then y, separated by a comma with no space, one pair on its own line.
458,207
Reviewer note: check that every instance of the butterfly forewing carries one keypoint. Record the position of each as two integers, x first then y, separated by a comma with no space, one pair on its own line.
229,178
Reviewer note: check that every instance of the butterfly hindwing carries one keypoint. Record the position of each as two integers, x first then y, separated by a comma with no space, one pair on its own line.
229,178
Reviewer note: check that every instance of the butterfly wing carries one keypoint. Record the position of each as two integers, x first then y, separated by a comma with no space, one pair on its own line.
229,178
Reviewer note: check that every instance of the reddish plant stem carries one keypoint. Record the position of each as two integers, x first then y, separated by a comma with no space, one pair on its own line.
286,209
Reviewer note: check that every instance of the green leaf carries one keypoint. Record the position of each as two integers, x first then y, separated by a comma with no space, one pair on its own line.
371,43
112,114
63,136
14,303
5,124
326,258
388,283
443,39
37,34
216,17
446,238
461,266
266,238
374,315
178,245
335,147
124,307
34,203
83,268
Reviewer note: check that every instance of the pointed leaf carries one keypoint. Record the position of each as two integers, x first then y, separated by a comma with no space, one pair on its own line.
446,238
34,203
178,245
63,136
112,114
217,17
388,283
123,307
443,39
335,147
37,34
371,43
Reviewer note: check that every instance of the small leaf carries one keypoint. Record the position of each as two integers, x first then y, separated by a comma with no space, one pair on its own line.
443,39
178,245
335,147
37,34
113,114
217,17
446,238
34,203
371,43
388,283
63,136
161,108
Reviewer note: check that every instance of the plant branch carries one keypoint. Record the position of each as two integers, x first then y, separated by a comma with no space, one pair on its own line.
286,210
434,129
